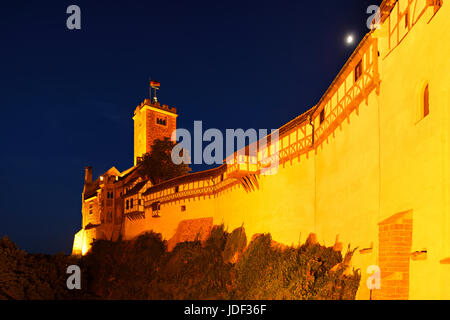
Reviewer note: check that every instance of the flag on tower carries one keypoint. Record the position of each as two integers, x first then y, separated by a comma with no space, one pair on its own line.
154,84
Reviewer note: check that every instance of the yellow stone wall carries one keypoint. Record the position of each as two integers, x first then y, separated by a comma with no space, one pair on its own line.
414,154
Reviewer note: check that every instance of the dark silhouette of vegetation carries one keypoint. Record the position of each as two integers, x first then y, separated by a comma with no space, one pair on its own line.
158,165
267,271
36,276
235,245
221,267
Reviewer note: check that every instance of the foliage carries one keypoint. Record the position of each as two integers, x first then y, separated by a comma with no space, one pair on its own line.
217,238
123,269
303,273
36,276
144,269
158,165
192,272
235,245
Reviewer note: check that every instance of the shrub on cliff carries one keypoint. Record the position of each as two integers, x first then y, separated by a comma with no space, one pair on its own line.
35,276
191,271
266,271
217,238
124,269
144,269
235,245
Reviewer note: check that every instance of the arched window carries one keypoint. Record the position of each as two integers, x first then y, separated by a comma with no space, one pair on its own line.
426,101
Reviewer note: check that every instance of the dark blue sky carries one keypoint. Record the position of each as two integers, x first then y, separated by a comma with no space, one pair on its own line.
67,97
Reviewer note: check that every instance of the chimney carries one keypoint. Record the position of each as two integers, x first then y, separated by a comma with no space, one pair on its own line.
88,175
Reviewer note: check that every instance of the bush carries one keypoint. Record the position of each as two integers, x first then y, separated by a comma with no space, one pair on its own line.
235,245
144,269
124,269
268,272
217,238
35,276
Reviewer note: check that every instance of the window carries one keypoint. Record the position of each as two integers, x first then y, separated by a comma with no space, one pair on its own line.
131,203
322,116
161,121
221,177
156,206
358,70
128,204
426,101
177,188
183,208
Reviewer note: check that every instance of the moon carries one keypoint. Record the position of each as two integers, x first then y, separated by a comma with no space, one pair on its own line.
350,39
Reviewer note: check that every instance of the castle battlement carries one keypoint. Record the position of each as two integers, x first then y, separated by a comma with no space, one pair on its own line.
157,105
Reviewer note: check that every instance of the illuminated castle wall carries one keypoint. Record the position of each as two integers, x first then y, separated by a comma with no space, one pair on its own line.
368,165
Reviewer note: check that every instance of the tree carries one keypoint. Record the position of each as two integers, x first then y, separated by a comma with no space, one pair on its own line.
158,165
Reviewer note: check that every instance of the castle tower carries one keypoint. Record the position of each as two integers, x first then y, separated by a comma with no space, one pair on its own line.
152,121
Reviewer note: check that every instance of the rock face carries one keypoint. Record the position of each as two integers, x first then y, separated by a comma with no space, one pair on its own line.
190,230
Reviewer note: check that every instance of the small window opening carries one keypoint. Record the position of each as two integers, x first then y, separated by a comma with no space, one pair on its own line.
358,70
161,121
426,101
322,116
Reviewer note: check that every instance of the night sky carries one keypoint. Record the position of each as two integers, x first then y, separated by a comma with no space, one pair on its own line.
67,96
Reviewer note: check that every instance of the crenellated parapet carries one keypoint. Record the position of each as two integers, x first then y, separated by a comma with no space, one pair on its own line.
156,105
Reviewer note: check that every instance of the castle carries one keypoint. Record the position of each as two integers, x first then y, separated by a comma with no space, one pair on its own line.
368,166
